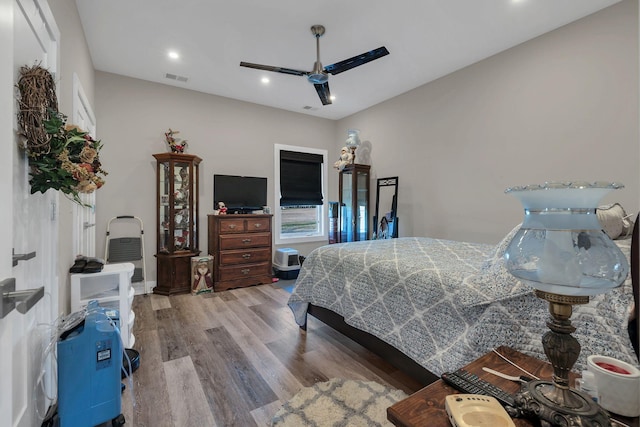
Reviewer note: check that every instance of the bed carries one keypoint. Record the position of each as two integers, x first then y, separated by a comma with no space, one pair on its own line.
432,305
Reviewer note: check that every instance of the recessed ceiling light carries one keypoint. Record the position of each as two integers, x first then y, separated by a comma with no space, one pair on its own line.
173,54
332,97
265,80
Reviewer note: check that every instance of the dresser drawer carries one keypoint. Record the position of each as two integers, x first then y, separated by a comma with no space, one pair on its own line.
245,256
231,225
258,224
242,271
247,240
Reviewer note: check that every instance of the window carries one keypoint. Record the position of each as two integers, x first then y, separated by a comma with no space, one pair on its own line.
300,205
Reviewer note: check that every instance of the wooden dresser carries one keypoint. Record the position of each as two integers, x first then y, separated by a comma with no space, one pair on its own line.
241,249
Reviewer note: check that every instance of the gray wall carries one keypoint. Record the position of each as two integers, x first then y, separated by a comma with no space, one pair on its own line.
232,137
562,106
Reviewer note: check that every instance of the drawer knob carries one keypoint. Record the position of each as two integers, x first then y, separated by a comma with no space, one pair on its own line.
246,256
257,225
245,271
232,226
246,240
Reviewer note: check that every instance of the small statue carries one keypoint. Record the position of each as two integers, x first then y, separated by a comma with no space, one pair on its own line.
177,145
345,158
202,277
222,208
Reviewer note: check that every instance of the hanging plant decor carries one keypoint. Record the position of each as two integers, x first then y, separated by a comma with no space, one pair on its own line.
62,157
72,164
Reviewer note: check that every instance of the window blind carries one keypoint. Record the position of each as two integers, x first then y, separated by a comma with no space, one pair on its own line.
300,178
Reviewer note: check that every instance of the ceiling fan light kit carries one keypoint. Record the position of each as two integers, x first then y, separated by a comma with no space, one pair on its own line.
319,76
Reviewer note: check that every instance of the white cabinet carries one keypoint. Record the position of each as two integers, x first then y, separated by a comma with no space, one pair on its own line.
112,289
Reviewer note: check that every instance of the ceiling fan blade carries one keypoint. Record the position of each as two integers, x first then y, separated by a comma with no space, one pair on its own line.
274,69
356,61
323,93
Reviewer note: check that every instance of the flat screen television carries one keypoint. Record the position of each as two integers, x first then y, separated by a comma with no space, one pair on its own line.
240,194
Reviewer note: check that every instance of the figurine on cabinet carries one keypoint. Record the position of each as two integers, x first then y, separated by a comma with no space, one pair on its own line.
222,208
177,145
345,158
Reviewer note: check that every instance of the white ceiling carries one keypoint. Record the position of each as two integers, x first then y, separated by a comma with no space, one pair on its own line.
426,39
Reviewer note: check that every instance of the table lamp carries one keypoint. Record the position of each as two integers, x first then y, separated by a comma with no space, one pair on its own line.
562,252
353,142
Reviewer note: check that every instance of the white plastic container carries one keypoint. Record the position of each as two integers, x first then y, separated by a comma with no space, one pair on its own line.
618,384
286,263
286,257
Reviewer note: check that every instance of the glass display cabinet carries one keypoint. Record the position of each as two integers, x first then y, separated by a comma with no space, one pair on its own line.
354,203
177,222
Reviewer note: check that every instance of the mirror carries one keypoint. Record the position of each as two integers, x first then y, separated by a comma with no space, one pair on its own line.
385,219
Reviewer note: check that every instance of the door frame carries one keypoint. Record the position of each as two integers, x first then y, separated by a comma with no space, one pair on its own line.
84,217
30,224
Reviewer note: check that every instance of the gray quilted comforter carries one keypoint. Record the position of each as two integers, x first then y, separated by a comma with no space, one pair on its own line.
445,303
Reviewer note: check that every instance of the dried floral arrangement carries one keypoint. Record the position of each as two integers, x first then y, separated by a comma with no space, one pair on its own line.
62,157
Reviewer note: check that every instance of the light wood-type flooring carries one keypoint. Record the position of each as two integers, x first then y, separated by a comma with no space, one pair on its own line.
232,358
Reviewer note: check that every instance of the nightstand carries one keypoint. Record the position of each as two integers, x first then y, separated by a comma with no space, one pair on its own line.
426,407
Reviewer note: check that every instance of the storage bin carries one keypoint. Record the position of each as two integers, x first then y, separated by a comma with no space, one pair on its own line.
112,288
287,274
286,257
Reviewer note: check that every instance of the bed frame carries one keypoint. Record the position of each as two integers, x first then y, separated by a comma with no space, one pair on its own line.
389,353
398,359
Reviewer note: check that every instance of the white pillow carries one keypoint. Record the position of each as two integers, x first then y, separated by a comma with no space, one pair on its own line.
614,221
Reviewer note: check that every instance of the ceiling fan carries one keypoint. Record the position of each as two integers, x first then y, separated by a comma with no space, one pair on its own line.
319,76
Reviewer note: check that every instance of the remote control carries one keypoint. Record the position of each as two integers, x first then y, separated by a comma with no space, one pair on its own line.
470,383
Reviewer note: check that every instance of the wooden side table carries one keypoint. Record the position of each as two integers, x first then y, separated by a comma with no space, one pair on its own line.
426,407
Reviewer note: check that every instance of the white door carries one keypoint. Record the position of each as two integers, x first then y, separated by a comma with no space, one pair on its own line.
28,35
84,217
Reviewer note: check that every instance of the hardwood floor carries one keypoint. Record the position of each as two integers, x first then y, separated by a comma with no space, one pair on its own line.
232,358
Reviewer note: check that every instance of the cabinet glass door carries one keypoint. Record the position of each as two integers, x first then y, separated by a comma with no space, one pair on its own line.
194,205
177,202
354,203
362,205
181,205
164,190
347,219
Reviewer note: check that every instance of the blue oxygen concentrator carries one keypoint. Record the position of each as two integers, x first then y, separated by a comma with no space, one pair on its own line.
89,363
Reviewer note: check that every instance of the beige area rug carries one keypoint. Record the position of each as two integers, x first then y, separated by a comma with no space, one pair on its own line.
339,403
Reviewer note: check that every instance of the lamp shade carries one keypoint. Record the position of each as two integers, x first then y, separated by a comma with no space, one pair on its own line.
561,247
353,139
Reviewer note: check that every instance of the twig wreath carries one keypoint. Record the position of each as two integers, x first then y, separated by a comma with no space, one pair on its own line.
37,95
61,156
